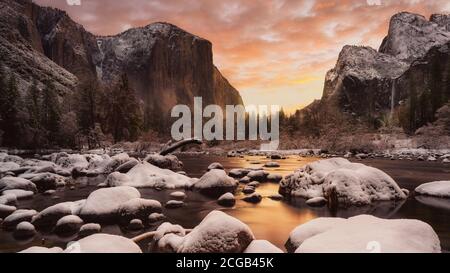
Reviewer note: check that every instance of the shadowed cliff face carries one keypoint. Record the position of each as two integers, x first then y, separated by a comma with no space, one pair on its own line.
408,75
166,65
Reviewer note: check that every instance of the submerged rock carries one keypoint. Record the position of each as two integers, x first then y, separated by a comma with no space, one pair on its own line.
215,183
227,200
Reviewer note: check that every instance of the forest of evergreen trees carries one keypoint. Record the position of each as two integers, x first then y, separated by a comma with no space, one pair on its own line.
42,118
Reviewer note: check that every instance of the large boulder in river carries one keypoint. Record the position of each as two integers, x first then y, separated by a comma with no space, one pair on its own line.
16,183
342,183
103,243
170,162
103,205
215,183
49,216
217,233
138,208
436,189
366,233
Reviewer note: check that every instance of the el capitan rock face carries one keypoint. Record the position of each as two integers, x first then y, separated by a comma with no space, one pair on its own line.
166,65
410,70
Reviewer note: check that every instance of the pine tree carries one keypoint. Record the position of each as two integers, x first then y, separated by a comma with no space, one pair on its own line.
50,112
87,107
9,103
124,117
32,106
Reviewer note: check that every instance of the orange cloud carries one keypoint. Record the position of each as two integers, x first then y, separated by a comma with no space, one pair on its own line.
272,51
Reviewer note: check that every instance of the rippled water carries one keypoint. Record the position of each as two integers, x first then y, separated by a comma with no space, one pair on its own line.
270,220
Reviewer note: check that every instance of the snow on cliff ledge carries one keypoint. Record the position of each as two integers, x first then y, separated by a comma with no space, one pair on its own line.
341,181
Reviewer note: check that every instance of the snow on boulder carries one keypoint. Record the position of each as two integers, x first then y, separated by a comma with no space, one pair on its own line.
178,195
215,183
103,243
170,162
174,204
41,250
46,181
24,230
16,183
167,239
19,194
20,215
70,161
341,183
8,199
435,189
227,200
138,208
217,233
6,210
262,246
89,229
316,202
117,179
8,166
366,233
146,175
103,204
215,165
68,225
310,229
259,175
135,224
50,216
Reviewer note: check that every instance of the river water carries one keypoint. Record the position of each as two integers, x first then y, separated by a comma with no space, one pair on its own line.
270,220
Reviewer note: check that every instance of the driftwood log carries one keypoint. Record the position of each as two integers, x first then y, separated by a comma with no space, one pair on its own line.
169,148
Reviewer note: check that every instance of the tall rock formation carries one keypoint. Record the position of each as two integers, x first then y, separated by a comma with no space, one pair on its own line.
165,64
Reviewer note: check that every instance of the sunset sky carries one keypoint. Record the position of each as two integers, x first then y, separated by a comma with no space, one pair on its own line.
272,51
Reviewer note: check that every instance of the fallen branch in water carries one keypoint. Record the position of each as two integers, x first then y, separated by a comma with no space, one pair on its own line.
179,144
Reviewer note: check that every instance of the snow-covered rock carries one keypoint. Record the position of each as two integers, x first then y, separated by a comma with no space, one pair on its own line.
275,178
20,215
16,183
259,175
238,173
316,202
262,246
103,204
178,195
50,216
174,204
146,175
215,165
135,224
103,243
24,230
217,233
170,162
89,229
272,165
41,250
342,183
138,208
8,199
8,166
365,233
156,217
45,181
436,189
215,183
227,200
167,238
253,198
68,225
19,194
6,210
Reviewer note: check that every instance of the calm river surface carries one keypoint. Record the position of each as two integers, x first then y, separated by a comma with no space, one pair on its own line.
269,220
